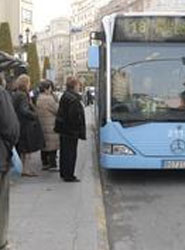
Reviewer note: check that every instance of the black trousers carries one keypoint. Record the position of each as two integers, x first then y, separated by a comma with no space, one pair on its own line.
68,155
49,158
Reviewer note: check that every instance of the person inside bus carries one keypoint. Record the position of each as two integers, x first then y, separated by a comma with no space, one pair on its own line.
121,86
122,98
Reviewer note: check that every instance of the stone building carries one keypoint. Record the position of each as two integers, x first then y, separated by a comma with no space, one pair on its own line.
54,42
83,17
19,15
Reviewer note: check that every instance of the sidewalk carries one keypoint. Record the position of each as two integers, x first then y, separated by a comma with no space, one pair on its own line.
49,214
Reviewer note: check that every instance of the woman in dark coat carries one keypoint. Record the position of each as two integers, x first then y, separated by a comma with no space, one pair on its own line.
31,135
70,123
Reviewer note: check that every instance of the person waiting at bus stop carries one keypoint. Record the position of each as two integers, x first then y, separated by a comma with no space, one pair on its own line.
89,97
9,128
9,135
31,135
70,123
47,110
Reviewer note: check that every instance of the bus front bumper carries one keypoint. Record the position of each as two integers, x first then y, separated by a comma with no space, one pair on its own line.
141,162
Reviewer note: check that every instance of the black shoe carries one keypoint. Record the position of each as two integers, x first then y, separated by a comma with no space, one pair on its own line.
73,179
61,175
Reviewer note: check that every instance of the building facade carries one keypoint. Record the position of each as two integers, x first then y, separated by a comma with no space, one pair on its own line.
19,15
54,42
26,16
83,18
163,5
81,25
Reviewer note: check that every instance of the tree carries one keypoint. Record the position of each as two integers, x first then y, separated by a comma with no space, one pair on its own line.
33,62
88,78
5,38
46,66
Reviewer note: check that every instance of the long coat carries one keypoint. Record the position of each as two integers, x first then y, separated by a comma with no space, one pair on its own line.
70,119
31,134
47,109
9,129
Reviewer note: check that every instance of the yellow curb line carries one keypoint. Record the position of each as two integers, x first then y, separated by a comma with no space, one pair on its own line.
103,243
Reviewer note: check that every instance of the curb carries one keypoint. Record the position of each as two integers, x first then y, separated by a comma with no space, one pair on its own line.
103,243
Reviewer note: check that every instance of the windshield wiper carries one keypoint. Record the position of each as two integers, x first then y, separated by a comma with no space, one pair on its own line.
149,61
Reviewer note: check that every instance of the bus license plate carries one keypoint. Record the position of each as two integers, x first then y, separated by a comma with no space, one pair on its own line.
174,164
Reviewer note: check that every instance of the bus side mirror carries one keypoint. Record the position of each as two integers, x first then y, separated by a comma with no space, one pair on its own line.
96,38
93,57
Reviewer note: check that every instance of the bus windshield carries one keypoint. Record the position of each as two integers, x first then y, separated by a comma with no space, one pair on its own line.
148,82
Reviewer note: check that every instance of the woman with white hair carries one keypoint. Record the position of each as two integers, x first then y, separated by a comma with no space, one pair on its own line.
31,135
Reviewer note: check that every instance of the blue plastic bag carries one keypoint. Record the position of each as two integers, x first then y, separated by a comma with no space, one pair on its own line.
16,166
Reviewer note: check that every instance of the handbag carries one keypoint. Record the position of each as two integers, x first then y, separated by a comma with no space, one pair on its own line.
35,136
59,124
16,166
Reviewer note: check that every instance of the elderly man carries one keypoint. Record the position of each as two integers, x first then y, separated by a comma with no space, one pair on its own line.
70,123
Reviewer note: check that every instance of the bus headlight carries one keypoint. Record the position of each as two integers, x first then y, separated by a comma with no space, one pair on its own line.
115,149
121,150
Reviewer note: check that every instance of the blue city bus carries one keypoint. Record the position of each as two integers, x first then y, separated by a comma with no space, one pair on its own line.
139,59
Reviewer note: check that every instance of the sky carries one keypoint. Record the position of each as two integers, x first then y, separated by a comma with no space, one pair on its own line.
45,10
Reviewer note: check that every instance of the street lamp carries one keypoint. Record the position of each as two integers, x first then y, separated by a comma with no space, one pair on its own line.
20,37
27,31
24,46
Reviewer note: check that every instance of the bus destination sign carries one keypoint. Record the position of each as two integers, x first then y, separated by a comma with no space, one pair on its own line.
149,28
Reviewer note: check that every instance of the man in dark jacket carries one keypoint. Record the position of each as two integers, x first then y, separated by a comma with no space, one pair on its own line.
9,128
70,123
9,133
